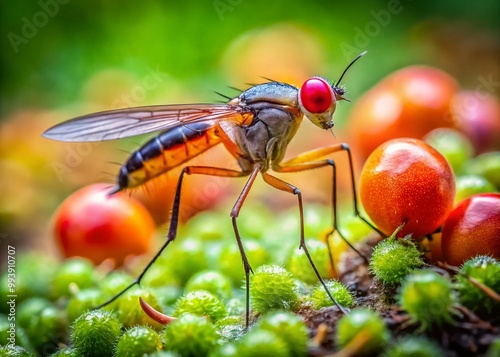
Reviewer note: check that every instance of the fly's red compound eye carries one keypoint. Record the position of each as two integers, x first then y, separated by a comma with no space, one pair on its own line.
316,95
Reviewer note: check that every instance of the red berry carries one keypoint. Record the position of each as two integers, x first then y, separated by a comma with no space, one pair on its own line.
91,224
408,103
472,228
406,180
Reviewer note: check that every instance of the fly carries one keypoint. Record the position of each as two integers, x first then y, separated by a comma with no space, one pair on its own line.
255,127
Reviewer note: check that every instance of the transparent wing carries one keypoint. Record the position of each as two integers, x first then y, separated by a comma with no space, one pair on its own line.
121,123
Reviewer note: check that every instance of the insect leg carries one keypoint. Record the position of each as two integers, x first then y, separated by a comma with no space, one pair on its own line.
195,170
234,214
345,147
308,161
313,165
174,220
285,186
215,171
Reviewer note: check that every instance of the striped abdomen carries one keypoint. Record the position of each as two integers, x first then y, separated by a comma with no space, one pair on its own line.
166,151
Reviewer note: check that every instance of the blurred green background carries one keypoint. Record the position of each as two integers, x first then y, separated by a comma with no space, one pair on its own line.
60,59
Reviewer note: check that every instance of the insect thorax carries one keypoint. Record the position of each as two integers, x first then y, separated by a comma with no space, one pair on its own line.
265,139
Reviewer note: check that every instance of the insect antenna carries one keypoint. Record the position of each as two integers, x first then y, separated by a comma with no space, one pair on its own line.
349,66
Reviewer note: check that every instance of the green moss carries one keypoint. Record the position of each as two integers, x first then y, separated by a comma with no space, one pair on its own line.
230,263
262,343
82,302
300,267
211,281
494,349
226,350
14,351
185,259
28,309
96,333
393,259
201,303
46,329
470,185
67,352
414,347
366,323
34,274
235,306
288,327
77,272
138,341
230,328
130,312
427,297
338,290
190,335
452,144
485,270
272,287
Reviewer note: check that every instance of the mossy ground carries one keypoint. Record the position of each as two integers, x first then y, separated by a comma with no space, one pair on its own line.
469,335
